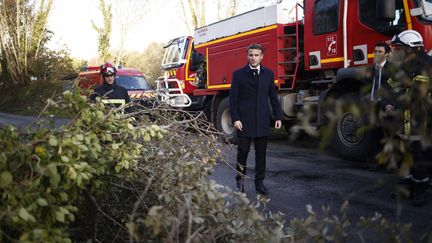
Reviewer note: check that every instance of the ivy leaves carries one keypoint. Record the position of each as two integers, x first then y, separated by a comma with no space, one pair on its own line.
6,179
44,171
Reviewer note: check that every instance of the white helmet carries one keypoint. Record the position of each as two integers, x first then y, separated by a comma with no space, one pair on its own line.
410,38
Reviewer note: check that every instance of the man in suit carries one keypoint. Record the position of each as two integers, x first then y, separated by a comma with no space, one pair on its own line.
252,88
381,91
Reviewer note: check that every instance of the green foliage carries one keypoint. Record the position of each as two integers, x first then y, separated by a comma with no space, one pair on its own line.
45,171
29,99
54,64
148,182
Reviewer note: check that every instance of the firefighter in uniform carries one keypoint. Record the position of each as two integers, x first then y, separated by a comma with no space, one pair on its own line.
110,92
414,80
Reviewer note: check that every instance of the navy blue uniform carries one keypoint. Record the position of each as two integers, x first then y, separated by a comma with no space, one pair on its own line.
113,91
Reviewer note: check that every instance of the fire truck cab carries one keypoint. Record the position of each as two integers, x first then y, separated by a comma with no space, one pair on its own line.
312,46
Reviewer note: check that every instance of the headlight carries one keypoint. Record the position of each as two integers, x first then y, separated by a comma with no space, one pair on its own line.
179,100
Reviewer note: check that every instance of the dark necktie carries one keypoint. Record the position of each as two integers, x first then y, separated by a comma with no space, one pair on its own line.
255,76
377,81
255,73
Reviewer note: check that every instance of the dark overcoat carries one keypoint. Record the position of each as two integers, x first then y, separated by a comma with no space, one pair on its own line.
250,101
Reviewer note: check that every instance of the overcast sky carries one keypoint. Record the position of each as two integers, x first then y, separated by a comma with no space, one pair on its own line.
71,23
70,20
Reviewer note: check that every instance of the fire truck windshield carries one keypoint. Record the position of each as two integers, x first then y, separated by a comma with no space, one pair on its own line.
175,52
133,82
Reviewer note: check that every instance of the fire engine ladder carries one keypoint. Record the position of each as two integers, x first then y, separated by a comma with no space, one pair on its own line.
169,91
291,53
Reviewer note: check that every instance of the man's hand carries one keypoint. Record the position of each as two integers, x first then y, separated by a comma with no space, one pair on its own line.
238,125
389,108
278,124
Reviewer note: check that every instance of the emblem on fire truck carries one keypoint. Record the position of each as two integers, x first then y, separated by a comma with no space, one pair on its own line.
331,41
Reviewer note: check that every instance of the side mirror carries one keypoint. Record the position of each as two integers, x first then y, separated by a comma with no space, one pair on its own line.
385,10
427,7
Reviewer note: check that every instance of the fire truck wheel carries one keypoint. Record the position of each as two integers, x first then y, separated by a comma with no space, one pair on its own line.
349,140
224,123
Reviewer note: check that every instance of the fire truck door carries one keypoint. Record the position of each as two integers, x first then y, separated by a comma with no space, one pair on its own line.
323,42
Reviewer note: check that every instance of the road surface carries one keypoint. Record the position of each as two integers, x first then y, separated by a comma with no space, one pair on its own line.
299,174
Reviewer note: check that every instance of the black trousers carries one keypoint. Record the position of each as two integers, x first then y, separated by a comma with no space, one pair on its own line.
260,145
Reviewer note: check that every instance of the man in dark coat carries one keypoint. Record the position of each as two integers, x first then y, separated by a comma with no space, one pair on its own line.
252,88
381,91
378,89
109,90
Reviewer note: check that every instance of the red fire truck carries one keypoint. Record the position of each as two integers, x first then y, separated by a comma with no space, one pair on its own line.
313,56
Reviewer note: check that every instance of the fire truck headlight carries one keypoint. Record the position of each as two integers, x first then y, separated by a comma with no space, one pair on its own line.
179,100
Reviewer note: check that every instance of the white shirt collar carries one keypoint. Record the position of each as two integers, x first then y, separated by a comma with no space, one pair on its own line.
383,63
257,68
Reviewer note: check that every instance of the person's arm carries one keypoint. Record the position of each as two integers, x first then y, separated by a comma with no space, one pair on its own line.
126,96
233,99
388,100
274,101
94,95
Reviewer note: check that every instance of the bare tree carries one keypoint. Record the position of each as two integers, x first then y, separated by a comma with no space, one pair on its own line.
227,8
196,9
23,34
104,32
127,14
147,61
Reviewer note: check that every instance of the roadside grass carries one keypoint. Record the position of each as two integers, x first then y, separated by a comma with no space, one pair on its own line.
31,99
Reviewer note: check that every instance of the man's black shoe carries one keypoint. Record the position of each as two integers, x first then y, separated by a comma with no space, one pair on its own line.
240,186
260,188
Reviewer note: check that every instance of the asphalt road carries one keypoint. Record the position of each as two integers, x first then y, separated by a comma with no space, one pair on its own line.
299,174
24,121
